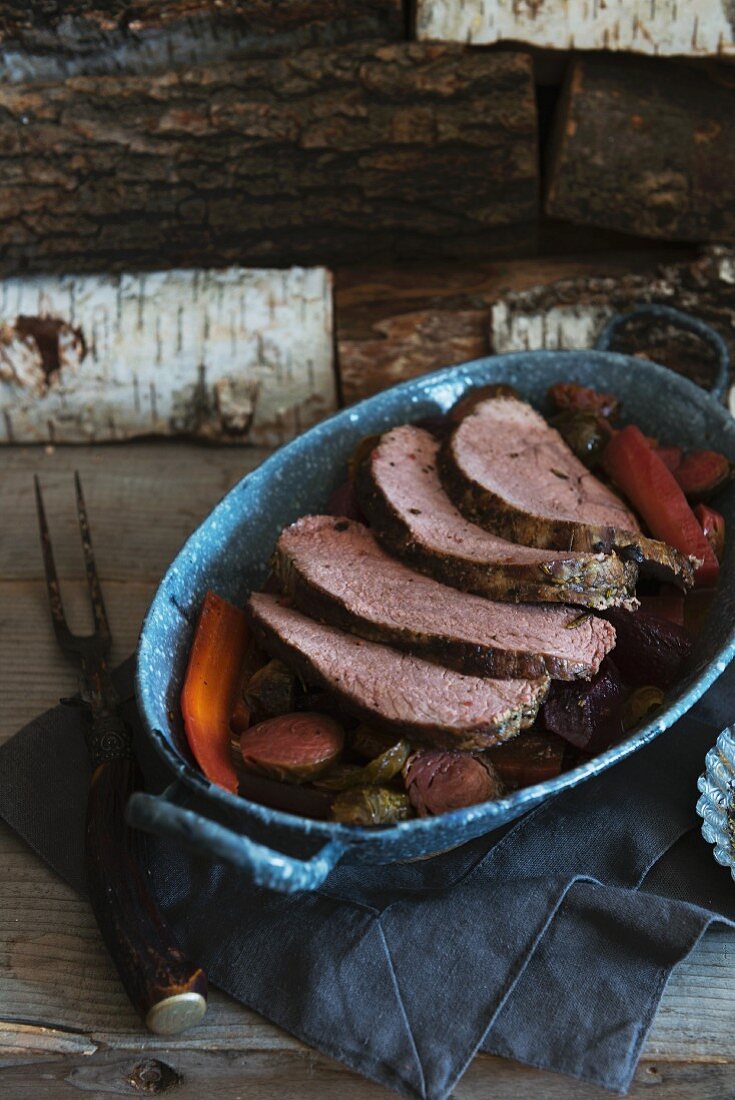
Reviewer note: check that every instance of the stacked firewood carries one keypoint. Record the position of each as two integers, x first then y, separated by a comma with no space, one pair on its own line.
143,137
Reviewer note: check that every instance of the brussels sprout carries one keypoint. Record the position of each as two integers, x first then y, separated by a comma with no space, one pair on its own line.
584,434
380,770
271,691
371,806
643,702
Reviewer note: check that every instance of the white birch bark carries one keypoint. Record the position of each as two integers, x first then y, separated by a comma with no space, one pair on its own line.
233,355
686,27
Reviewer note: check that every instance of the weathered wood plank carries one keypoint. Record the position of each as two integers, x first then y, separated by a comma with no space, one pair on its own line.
346,152
50,41
143,501
678,27
399,322
239,355
303,1075
569,313
47,934
646,147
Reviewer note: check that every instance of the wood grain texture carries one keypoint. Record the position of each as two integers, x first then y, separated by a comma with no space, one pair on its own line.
240,355
395,323
646,147
60,1046
679,27
570,312
346,152
50,40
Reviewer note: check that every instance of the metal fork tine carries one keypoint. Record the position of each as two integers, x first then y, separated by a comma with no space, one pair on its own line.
102,627
52,581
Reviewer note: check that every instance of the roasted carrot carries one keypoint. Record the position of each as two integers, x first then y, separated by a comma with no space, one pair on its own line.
652,489
210,687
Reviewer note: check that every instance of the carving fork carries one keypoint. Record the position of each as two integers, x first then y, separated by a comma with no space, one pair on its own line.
166,989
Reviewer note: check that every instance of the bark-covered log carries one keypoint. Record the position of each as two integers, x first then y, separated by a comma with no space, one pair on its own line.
663,27
570,312
225,356
396,150
648,148
395,323
51,39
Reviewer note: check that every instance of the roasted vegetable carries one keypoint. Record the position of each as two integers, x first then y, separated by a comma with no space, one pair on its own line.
380,770
371,806
240,717
649,650
668,604
343,502
702,473
368,742
303,800
210,687
713,526
271,691
438,782
697,607
652,489
570,396
588,714
583,433
294,747
528,759
473,397
642,703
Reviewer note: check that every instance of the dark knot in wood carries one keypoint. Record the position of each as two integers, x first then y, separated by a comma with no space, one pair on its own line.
154,1076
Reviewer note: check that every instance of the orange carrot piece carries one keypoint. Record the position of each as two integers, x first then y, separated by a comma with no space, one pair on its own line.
210,687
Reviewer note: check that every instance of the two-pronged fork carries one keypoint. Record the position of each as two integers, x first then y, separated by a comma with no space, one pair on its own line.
168,992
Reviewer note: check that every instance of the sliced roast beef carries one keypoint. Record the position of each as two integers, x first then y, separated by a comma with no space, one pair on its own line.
509,471
337,572
402,496
393,690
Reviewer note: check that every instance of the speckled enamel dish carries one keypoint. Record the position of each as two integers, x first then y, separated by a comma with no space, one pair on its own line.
716,806
229,553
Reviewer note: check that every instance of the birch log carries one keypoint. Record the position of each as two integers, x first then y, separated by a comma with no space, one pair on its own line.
693,28
646,147
396,323
570,313
232,355
50,41
342,152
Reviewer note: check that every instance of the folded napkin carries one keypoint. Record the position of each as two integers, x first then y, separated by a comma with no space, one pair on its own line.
549,942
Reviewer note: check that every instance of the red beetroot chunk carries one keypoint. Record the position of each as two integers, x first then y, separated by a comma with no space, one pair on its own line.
396,691
336,572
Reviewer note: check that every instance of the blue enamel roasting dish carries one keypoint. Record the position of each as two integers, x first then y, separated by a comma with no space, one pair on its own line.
229,553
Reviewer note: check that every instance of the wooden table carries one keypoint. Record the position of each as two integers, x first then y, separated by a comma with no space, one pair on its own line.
65,1025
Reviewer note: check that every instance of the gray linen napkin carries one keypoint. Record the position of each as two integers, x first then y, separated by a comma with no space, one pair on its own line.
550,942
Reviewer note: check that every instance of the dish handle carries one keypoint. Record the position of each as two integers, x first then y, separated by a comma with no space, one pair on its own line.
163,817
683,320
